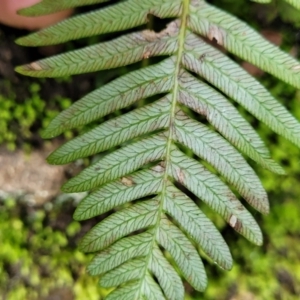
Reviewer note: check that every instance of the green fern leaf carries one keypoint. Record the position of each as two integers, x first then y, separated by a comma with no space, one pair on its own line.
120,252
240,39
127,292
115,132
226,160
121,224
214,193
122,51
132,87
226,119
262,1
154,157
51,6
182,209
183,252
138,185
118,164
122,16
168,279
131,270
295,3
237,84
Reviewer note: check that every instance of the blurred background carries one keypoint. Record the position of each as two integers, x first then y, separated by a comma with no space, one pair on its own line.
38,238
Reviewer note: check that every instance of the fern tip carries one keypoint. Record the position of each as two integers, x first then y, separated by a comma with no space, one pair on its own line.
24,12
281,172
76,216
19,70
21,41
51,159
33,69
71,187
47,134
65,188
259,240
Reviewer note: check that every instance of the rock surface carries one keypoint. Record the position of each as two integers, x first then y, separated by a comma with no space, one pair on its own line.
29,175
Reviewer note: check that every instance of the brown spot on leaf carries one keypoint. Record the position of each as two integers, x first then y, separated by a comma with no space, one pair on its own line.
216,34
195,3
163,164
233,220
35,66
171,30
235,223
127,181
180,175
230,196
158,169
146,54
296,67
238,227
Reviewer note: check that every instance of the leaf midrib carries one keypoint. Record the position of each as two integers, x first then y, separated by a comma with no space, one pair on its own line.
181,42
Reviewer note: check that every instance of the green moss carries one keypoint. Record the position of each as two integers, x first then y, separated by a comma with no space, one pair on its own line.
22,121
36,258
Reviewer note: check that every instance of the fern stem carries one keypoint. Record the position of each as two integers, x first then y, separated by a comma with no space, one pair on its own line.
183,26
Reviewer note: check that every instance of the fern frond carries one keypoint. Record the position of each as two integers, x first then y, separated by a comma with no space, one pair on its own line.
122,16
242,40
211,190
114,132
186,213
118,94
183,252
158,156
262,1
295,3
168,279
118,164
128,271
235,82
224,158
226,119
125,249
120,224
51,6
120,52
140,184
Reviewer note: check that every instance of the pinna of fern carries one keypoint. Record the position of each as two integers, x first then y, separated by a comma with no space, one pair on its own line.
144,176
